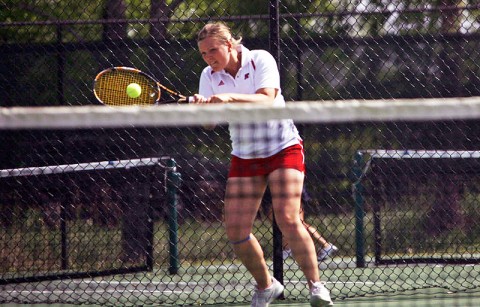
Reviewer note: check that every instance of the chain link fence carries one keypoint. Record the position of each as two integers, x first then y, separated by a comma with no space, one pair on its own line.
138,219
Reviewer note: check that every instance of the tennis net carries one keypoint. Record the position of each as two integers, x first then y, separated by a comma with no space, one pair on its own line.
393,184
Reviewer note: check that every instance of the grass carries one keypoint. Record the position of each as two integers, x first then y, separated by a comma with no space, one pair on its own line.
33,247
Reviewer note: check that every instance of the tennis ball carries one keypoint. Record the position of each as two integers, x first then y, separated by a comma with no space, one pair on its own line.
134,90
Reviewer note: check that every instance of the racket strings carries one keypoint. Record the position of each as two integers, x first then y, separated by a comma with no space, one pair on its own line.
111,89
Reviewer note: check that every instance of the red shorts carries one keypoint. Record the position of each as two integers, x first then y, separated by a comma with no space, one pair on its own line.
290,157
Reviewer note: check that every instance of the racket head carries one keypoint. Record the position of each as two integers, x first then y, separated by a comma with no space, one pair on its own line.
110,87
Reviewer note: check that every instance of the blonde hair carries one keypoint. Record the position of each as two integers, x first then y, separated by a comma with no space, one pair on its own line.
220,31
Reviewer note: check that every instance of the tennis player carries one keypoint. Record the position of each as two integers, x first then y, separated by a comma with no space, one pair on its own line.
269,153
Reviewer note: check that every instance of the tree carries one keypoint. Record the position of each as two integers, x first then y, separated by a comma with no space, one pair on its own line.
115,33
160,12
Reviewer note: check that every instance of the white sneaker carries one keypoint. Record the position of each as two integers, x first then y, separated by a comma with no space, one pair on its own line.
319,295
263,298
286,253
326,252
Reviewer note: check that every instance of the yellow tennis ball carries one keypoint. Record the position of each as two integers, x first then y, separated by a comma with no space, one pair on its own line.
134,90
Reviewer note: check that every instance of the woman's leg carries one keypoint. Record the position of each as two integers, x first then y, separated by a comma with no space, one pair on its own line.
242,201
286,188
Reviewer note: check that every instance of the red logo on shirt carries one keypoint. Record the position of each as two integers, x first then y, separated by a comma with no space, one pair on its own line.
221,83
247,75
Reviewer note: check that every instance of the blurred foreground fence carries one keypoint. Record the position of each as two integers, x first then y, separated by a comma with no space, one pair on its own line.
49,55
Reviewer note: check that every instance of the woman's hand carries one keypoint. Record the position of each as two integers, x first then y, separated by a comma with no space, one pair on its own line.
199,99
219,98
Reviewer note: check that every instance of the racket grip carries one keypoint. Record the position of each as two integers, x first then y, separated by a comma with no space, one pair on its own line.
184,99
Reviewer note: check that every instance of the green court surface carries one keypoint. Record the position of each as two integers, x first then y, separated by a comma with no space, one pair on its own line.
459,299
407,285
417,300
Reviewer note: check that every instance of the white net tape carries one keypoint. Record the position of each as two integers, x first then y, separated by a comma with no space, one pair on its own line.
74,117
67,168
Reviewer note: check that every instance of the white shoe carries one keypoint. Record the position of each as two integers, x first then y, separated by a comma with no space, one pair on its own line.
319,295
286,253
326,252
263,298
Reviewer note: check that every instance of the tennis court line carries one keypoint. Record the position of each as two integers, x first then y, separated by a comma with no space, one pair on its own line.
83,291
148,287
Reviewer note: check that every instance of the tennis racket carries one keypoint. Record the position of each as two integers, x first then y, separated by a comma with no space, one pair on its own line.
110,88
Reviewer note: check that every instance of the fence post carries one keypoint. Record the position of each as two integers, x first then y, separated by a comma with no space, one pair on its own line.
359,208
173,182
274,42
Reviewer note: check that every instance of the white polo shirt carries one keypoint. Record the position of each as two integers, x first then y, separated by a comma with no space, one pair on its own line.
258,70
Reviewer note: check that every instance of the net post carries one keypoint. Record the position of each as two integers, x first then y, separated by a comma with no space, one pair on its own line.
359,208
173,182
274,42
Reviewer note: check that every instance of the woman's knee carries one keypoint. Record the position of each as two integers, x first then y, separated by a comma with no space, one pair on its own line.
236,232
289,225
241,241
